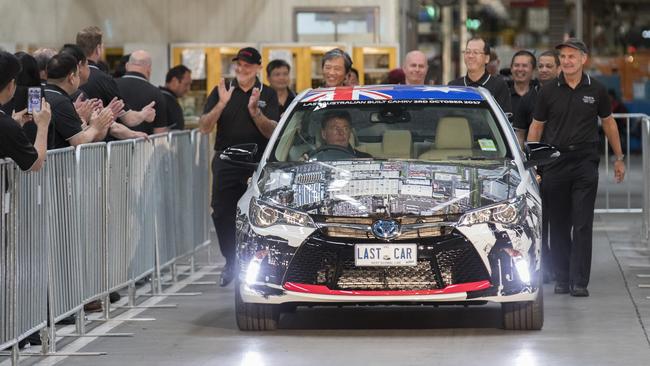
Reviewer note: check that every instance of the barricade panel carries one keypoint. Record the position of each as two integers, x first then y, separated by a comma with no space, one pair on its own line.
66,266
182,185
164,218
119,155
141,235
91,175
7,267
31,247
200,190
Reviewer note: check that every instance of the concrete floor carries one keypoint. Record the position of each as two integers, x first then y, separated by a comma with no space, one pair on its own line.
604,329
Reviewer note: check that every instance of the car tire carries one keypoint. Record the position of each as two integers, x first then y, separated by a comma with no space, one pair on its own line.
524,315
251,316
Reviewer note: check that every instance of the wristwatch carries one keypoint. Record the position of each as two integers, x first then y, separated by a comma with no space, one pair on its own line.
620,157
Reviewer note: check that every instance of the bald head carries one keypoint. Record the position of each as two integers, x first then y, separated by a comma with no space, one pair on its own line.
415,68
139,61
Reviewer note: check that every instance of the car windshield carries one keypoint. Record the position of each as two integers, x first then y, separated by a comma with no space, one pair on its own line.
424,130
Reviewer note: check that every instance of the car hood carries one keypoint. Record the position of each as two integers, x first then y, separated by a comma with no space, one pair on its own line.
387,188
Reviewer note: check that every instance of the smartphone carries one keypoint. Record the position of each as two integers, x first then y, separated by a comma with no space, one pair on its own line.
34,96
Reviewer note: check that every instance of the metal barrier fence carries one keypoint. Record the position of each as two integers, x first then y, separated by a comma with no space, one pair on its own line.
631,135
6,259
645,141
65,252
91,185
95,219
28,220
200,195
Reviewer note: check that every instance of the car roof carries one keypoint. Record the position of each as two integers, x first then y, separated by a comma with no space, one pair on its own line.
394,92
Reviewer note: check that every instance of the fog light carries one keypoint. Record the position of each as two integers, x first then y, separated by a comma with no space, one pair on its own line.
521,264
254,266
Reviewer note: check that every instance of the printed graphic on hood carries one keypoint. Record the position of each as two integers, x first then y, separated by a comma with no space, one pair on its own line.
387,188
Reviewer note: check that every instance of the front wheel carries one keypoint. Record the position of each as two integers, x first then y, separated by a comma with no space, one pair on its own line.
251,316
524,315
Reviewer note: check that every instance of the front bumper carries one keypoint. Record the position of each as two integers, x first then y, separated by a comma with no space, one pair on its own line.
451,268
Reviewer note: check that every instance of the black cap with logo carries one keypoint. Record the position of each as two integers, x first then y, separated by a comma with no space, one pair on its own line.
250,55
573,43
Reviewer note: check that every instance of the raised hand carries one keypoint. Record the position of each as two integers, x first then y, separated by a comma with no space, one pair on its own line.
224,94
149,112
116,106
253,107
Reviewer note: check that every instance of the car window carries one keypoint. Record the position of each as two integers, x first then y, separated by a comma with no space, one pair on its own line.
425,130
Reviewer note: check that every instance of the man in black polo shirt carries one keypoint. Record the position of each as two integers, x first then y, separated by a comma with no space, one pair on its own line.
548,67
177,84
522,66
477,56
14,143
67,127
101,85
139,93
566,115
244,111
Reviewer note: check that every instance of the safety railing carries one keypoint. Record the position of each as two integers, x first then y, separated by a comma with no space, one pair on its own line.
628,194
96,219
634,129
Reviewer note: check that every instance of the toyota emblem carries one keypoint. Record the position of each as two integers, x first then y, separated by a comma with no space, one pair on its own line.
385,229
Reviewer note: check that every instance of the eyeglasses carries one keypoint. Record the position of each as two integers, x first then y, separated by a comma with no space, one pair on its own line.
473,52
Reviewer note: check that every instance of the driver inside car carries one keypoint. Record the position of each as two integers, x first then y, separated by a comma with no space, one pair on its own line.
336,132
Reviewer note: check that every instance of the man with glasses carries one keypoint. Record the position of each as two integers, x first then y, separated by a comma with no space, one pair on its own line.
476,56
244,111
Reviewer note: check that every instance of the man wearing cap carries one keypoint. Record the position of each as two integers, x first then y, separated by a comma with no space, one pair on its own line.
244,111
566,116
476,56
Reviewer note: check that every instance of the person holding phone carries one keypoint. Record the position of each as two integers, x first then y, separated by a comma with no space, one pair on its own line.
14,143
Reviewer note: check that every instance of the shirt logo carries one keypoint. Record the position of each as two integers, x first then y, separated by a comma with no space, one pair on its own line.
588,100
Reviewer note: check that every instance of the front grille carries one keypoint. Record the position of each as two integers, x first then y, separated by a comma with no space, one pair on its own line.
420,277
442,261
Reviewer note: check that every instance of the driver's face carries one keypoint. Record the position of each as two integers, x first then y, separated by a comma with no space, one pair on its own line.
336,132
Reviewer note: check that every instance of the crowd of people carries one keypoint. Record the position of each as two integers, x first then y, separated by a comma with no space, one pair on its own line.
83,103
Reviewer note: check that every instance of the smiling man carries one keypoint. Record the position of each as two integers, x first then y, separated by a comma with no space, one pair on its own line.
566,116
415,68
476,56
244,111
522,67
336,65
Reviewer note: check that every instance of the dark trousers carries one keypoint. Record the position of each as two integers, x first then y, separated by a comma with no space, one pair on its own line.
228,185
569,189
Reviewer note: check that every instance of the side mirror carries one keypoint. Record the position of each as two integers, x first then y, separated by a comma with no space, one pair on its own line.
240,155
538,154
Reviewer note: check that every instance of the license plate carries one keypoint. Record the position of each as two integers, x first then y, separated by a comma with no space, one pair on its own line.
385,255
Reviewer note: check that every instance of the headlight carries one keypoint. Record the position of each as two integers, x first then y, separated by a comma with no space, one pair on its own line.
264,215
507,212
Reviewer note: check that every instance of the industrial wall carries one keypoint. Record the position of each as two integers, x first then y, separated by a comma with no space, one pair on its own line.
54,22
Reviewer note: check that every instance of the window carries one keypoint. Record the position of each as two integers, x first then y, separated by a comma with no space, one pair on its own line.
337,25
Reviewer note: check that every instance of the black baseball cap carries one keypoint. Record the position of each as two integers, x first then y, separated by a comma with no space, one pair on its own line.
250,55
573,43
